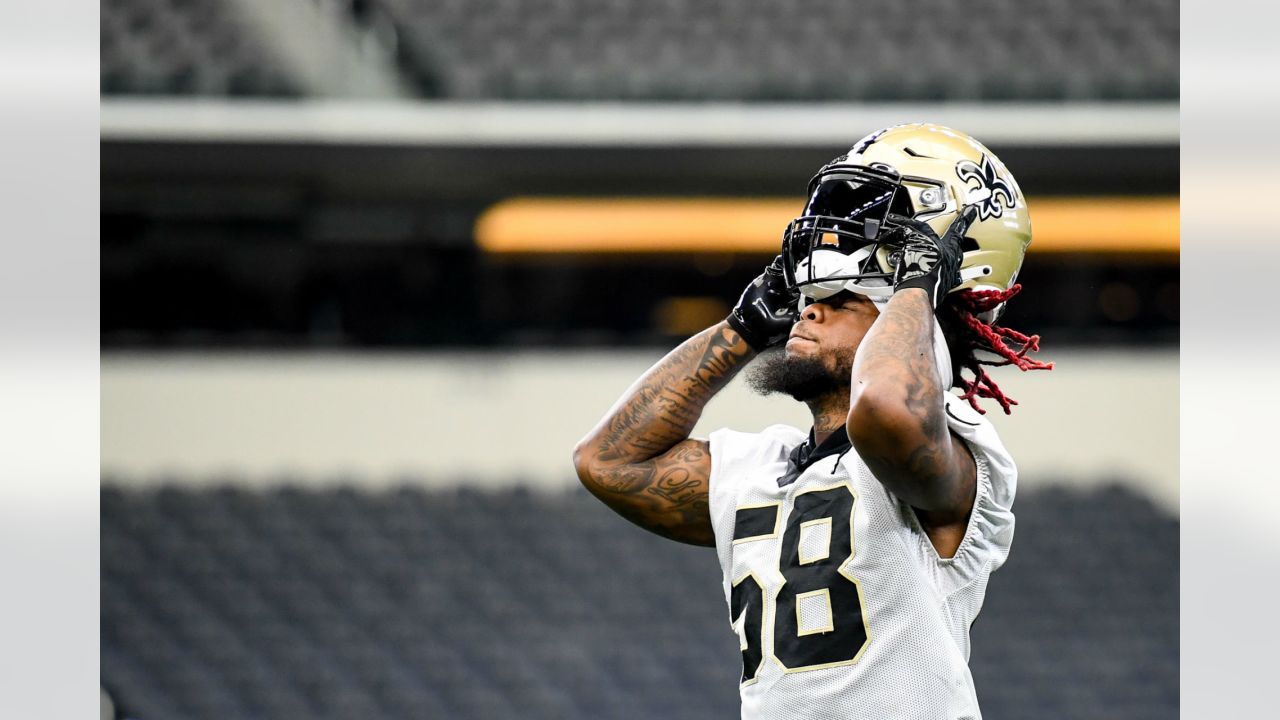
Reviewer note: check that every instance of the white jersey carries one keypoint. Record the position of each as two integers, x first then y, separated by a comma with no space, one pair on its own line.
842,606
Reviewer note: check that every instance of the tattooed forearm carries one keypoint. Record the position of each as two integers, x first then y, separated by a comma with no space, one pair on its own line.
662,407
898,353
639,460
896,417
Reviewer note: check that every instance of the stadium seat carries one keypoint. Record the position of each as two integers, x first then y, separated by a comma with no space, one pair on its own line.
681,50
292,602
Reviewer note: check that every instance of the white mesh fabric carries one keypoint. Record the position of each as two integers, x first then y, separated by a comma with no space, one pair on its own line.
813,612
815,541
917,607
738,630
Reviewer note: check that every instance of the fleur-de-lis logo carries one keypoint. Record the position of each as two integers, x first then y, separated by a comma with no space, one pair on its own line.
988,180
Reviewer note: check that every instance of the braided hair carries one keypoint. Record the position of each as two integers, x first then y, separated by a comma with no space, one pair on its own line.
971,341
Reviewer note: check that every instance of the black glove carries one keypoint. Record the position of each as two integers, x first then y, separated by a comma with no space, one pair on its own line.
767,309
923,260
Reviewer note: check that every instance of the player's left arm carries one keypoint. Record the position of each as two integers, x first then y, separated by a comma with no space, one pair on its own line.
897,418
897,411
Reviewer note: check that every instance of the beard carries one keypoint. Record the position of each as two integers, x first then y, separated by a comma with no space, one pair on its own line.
803,377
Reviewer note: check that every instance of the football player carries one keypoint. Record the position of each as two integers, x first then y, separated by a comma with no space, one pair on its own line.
856,555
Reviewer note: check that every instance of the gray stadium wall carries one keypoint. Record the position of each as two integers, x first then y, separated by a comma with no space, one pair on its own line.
500,418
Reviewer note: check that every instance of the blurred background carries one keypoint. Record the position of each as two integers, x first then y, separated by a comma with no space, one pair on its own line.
369,268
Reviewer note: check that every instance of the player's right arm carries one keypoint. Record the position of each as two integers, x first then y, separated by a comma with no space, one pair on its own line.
639,459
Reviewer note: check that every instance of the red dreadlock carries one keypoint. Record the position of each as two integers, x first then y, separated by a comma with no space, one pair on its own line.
968,335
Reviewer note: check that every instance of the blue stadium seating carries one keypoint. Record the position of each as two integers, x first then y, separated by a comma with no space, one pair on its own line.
779,50
680,50
185,47
304,603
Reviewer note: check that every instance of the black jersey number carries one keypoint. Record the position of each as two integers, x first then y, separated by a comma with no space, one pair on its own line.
816,587
815,591
747,605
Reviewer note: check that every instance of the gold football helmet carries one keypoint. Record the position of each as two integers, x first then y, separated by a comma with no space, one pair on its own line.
923,171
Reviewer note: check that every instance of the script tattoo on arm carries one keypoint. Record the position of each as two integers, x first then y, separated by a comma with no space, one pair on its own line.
639,459
897,417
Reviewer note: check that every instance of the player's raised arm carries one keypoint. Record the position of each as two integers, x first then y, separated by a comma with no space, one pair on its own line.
639,459
897,416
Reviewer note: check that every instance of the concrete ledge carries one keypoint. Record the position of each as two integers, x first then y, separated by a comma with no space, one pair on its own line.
455,123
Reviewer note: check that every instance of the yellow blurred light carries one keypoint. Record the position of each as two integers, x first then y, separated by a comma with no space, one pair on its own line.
677,225
688,315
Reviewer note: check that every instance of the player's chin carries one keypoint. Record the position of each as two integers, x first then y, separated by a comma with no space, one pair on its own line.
798,346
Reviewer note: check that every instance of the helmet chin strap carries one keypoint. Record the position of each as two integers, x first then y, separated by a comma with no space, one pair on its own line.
828,263
833,263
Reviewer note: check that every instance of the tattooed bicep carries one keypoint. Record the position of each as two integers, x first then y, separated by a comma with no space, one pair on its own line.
693,454
667,495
